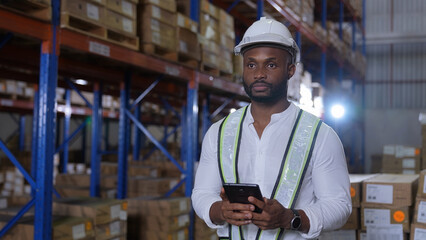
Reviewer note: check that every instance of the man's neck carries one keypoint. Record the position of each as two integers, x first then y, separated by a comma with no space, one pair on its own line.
262,113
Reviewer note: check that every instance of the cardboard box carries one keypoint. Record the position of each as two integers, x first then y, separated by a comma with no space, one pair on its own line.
103,211
169,5
421,192
356,187
353,220
181,234
147,186
123,7
209,27
161,14
227,43
210,59
74,191
225,19
339,234
165,223
120,22
420,211
187,23
372,214
390,189
85,9
64,228
111,230
155,32
188,43
210,9
159,206
418,232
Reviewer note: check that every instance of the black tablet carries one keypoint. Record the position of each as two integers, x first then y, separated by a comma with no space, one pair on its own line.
239,193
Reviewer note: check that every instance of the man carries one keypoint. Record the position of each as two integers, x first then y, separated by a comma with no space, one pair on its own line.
297,160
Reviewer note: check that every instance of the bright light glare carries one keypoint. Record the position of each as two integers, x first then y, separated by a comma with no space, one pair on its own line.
81,82
337,111
232,110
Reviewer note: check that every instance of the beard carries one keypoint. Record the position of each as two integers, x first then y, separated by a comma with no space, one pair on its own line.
276,92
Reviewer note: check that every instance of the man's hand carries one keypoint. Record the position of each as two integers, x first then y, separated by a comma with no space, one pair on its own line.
274,215
234,213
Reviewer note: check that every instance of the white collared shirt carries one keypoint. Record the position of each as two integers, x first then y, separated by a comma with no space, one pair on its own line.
324,195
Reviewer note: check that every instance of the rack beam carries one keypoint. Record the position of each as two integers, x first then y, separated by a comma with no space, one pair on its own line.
24,26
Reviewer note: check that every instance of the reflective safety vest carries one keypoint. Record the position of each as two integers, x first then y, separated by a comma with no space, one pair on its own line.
293,165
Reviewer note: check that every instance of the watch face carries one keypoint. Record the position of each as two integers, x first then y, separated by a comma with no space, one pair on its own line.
296,222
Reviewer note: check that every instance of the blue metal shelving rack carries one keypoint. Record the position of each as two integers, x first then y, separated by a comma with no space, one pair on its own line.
44,120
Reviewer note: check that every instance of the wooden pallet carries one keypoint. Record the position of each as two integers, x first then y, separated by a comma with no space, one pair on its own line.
31,8
209,69
125,40
161,52
187,60
82,25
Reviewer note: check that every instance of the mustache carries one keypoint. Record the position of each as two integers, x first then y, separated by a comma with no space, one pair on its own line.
260,81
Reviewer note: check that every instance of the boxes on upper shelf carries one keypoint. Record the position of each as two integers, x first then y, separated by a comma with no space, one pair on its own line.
126,8
210,9
156,29
85,9
390,189
169,5
117,21
187,37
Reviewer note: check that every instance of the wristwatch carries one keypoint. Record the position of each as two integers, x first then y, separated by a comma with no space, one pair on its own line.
296,222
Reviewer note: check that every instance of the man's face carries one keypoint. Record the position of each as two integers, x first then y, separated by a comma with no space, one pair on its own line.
266,71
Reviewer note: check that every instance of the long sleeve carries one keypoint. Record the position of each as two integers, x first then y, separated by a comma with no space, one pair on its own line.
330,181
207,179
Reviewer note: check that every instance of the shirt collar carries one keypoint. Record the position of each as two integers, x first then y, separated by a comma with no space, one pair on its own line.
275,117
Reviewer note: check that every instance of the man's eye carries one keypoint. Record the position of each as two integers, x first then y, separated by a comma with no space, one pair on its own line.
250,65
271,65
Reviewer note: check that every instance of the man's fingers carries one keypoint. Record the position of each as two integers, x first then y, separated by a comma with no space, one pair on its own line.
260,204
223,195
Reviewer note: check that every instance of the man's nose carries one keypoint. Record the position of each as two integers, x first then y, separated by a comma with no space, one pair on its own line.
260,73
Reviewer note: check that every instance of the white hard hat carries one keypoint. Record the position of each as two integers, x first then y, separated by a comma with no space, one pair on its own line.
269,31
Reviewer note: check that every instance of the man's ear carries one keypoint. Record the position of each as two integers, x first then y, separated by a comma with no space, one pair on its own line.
291,70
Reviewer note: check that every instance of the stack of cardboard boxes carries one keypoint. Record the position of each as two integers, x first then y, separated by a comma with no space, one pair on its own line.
188,46
109,216
401,159
418,227
209,37
159,218
227,43
63,228
352,228
121,22
386,203
157,28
